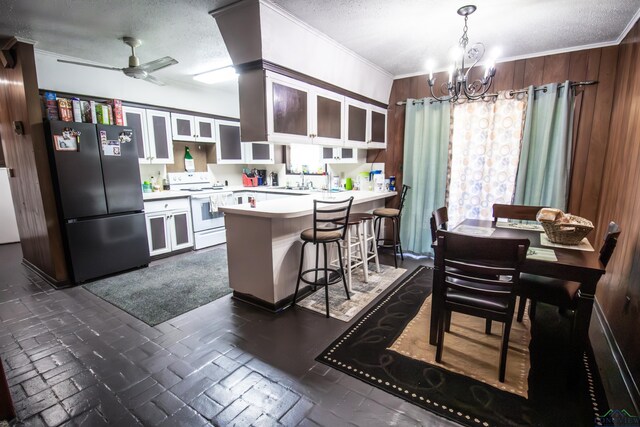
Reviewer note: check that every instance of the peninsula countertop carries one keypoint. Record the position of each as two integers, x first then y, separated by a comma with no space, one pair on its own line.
293,207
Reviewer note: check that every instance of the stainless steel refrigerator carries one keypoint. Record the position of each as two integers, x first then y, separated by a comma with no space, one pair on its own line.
97,180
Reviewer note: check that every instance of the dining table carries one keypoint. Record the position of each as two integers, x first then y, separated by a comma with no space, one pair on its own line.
582,266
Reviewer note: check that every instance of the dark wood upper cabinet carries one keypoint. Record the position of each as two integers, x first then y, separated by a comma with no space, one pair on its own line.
329,117
357,119
289,110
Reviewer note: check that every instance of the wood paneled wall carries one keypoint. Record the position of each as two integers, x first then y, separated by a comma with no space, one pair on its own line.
593,107
619,291
26,155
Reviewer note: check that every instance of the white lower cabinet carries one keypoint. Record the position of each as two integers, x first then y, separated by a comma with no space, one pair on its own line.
169,226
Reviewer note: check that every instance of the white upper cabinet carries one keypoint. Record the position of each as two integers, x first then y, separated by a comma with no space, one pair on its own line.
366,125
185,127
327,111
259,153
152,130
377,127
288,111
341,155
229,149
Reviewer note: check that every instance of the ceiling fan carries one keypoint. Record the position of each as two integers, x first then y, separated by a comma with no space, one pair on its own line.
135,69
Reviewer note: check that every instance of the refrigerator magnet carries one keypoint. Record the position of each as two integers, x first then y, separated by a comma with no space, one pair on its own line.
103,136
68,141
125,136
111,148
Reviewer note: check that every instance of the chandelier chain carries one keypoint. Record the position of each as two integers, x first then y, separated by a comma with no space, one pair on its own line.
464,40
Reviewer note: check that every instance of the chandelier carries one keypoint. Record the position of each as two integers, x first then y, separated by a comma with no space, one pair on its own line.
459,85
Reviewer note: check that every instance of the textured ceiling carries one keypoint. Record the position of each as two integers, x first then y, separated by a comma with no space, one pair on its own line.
397,35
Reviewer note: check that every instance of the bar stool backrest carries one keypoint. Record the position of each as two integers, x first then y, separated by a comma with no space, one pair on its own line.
331,216
403,197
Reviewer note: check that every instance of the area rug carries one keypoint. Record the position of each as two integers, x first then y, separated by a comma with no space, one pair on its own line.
469,351
169,288
362,351
361,293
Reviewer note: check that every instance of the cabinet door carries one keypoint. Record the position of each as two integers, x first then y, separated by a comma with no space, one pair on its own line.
357,123
347,155
377,128
328,154
181,230
228,148
260,153
159,131
205,129
136,118
288,118
327,110
158,234
183,127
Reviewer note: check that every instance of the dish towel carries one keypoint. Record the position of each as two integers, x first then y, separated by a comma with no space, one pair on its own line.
215,201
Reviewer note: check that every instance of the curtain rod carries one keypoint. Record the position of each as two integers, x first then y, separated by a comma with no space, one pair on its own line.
513,92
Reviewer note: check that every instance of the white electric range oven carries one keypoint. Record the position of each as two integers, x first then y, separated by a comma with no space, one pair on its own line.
208,222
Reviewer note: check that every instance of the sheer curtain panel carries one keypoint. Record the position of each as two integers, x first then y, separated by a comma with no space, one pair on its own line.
426,141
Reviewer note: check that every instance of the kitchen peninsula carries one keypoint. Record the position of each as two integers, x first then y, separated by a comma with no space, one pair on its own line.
263,244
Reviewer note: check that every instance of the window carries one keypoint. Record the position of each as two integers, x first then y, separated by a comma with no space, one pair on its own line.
304,158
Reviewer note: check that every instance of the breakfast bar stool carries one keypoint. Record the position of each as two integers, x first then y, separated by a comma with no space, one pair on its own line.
368,239
329,226
394,215
354,248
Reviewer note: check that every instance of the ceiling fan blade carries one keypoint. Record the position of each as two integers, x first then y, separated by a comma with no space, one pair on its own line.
158,64
154,80
84,64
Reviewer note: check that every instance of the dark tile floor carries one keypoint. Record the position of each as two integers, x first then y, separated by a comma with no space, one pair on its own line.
74,359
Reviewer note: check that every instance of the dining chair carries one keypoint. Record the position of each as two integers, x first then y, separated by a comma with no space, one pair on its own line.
329,226
439,221
477,276
562,293
522,212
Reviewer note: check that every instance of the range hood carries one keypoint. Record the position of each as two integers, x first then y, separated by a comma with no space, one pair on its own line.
261,37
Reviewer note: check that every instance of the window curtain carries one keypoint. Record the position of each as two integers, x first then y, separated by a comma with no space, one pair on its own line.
545,160
485,149
426,140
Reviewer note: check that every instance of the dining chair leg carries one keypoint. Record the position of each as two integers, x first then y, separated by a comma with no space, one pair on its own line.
295,294
344,282
522,304
326,278
532,309
395,247
440,343
504,349
487,327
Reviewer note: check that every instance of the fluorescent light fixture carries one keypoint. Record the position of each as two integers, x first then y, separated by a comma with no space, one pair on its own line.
216,76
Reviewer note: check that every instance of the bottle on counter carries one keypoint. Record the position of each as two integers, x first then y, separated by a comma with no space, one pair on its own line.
165,184
189,163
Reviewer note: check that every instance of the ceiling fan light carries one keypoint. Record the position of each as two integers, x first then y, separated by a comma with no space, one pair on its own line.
216,76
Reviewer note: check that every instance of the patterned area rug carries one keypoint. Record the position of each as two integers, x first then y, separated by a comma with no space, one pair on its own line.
361,293
553,400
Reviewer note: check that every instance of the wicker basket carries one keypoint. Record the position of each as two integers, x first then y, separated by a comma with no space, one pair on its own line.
570,231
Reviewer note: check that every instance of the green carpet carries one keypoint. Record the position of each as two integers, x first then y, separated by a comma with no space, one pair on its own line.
169,288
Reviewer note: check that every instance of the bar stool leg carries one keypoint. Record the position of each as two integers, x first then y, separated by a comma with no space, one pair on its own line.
295,294
348,249
346,289
326,278
316,276
395,243
364,254
374,246
399,242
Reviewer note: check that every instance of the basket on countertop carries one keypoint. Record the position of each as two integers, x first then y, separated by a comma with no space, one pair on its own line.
565,229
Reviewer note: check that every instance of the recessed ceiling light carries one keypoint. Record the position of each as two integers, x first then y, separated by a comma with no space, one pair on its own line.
216,76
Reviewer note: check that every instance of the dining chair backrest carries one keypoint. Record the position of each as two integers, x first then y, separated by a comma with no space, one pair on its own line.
521,212
331,216
485,267
609,242
439,220
403,197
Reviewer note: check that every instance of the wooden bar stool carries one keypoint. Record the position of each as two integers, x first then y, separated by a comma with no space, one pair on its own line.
368,239
329,219
394,215
353,247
